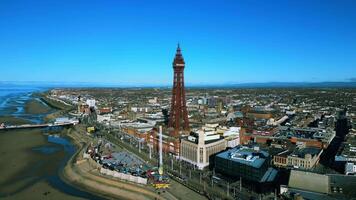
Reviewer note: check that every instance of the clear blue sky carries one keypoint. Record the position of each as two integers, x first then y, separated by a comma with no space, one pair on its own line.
134,42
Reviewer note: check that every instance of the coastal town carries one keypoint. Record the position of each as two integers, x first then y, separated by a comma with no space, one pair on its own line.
277,143
178,100
269,141
211,143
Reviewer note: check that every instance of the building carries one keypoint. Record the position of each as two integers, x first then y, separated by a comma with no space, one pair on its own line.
280,159
104,118
211,139
259,115
249,163
66,120
309,181
169,144
83,108
198,147
258,136
154,100
138,129
347,153
90,103
104,110
304,158
231,135
350,168
321,186
311,137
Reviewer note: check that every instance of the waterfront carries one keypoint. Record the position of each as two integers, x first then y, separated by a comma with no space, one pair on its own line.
32,160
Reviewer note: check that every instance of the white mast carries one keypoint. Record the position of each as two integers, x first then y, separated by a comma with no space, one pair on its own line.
160,151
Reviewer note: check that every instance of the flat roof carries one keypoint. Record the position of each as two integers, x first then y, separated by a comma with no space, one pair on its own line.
245,155
270,175
305,133
349,147
304,151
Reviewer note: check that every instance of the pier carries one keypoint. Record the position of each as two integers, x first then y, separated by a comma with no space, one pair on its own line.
24,126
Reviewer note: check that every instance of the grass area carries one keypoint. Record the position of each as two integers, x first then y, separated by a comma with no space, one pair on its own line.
36,107
61,108
9,120
56,104
182,192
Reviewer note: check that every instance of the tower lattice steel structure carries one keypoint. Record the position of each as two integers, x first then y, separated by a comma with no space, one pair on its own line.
178,118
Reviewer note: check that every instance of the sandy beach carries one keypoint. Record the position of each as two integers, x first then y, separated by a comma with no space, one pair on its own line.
29,161
29,164
24,168
10,120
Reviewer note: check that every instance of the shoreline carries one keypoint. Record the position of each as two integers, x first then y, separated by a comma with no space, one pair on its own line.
75,172
80,173
35,167
84,174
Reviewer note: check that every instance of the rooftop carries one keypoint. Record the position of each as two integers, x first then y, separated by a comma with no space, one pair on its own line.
245,155
306,133
304,151
348,150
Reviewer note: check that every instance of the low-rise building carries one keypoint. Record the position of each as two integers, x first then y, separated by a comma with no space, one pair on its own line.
304,158
311,137
138,129
249,163
104,110
280,159
232,136
347,153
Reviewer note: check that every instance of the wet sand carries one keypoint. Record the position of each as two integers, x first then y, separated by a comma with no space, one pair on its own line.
25,166
30,165
41,190
9,120
29,161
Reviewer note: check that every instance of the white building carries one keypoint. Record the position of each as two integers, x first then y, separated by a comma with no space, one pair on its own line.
232,136
198,147
90,102
153,101
104,118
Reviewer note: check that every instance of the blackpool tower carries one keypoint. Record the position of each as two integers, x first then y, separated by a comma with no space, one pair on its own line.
178,118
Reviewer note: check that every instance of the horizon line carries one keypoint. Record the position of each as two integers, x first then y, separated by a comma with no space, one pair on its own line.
350,83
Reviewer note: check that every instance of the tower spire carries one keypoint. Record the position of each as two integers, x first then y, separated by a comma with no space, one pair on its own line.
178,59
178,119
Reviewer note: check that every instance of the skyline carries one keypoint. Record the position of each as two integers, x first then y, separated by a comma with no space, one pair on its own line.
131,43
